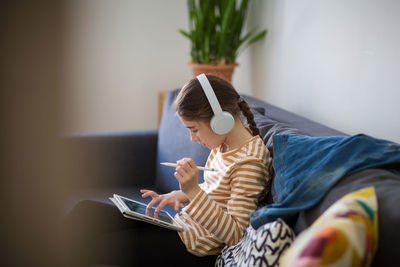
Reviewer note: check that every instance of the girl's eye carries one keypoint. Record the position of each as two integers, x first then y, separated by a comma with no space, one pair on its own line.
194,130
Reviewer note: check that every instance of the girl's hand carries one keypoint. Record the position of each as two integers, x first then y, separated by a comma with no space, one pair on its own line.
187,175
175,199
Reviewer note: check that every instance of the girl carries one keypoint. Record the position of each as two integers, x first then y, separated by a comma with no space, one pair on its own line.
216,213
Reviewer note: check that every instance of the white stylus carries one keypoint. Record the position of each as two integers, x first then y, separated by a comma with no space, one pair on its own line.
200,168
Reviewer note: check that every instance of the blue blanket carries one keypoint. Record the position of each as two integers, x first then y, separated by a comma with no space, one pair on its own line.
307,167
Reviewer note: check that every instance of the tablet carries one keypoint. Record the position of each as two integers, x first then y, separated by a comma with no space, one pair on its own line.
136,210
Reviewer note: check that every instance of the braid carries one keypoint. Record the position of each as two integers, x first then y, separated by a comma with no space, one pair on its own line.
244,107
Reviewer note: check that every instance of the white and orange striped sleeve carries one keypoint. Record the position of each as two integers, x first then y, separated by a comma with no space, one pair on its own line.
247,181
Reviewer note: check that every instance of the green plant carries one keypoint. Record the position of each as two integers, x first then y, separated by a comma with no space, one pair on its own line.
215,30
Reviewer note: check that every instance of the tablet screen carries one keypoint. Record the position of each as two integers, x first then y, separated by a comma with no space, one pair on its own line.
141,208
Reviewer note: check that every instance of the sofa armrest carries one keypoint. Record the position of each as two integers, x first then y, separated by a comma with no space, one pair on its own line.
125,158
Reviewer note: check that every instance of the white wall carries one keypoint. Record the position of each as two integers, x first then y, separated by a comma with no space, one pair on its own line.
118,56
336,62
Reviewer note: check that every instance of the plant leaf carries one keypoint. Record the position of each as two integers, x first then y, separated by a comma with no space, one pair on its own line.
186,34
258,37
226,16
215,30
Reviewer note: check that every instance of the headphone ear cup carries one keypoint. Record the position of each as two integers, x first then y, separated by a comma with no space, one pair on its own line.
222,123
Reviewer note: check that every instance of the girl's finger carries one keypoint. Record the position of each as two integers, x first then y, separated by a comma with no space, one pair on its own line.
143,191
177,204
180,163
183,175
190,162
152,203
161,205
184,164
178,176
181,170
149,193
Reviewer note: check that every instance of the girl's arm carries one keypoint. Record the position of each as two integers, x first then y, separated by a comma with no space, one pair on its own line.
229,225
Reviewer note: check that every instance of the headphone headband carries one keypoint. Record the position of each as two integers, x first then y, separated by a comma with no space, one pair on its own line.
222,122
210,94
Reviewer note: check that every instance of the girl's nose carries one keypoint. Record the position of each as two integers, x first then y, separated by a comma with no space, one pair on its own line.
193,137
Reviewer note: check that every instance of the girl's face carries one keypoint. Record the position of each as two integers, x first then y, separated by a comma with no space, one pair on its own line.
200,131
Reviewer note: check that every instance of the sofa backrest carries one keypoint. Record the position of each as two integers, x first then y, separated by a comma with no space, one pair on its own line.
174,139
289,120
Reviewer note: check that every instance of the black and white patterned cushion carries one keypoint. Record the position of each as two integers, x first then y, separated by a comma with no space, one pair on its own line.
261,247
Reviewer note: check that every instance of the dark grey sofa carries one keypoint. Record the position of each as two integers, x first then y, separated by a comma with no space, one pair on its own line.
124,162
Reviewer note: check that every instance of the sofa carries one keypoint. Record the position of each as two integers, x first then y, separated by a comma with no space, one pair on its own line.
124,162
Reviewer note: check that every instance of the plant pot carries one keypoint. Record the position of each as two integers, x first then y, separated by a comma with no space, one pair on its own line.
222,71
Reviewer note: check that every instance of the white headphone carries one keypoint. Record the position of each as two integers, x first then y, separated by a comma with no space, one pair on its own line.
222,122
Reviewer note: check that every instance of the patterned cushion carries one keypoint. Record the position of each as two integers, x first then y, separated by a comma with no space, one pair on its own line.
346,234
261,247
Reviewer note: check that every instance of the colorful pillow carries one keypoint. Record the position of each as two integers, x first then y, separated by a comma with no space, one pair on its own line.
346,234
261,247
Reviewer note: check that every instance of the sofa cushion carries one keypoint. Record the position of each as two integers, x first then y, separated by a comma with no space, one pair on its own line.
346,234
269,128
387,188
306,126
261,247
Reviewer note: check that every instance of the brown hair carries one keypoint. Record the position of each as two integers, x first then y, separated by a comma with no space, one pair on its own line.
192,104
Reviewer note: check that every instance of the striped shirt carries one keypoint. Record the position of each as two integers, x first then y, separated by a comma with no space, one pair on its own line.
220,213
